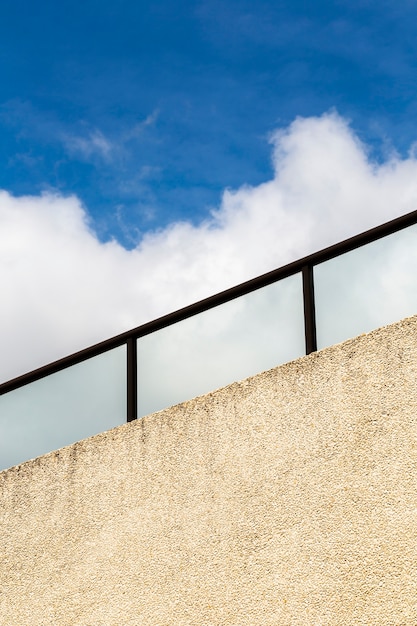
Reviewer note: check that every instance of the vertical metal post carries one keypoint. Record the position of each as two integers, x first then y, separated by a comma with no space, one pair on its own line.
132,379
309,309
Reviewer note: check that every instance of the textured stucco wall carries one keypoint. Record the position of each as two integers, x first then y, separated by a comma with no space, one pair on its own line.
289,498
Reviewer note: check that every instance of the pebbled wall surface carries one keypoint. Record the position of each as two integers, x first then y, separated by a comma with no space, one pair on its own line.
289,498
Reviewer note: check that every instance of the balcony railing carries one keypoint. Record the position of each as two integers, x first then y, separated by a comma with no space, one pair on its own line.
352,287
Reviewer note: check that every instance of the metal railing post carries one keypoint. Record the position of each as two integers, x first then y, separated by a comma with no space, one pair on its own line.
132,379
309,309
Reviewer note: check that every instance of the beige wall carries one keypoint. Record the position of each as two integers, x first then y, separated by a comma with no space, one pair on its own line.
289,498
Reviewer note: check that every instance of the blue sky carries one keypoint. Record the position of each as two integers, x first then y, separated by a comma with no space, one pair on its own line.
148,111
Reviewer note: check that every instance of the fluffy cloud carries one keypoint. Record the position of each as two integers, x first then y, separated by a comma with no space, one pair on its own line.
62,289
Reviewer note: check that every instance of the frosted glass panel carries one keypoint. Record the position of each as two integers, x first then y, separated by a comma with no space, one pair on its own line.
58,410
367,288
230,342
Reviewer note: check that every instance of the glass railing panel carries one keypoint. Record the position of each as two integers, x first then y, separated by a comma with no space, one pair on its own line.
228,343
62,408
367,288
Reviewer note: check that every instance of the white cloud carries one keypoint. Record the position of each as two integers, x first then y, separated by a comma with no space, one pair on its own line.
62,289
94,144
137,129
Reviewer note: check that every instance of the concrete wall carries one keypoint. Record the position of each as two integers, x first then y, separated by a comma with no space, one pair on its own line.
289,498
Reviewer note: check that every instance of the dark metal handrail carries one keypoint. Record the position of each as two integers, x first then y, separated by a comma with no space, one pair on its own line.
304,266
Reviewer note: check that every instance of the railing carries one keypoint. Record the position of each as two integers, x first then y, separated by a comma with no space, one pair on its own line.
296,302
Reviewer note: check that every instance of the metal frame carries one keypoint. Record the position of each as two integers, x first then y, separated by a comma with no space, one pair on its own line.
305,266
